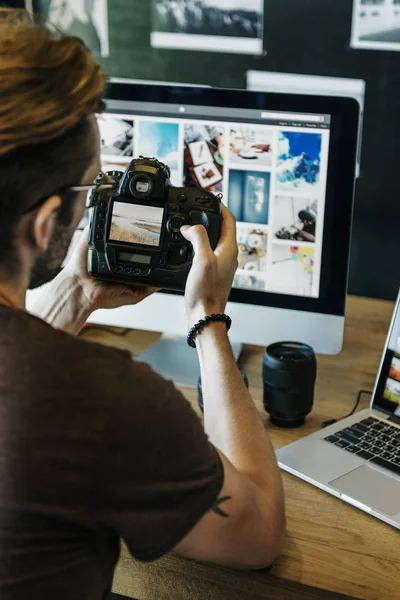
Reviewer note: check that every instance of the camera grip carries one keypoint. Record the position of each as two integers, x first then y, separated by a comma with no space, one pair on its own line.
212,223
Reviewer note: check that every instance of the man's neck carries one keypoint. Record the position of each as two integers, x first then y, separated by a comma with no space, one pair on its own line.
12,295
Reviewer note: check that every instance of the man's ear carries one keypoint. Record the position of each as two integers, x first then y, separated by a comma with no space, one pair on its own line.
44,222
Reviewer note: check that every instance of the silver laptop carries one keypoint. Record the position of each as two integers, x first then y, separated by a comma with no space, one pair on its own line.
358,458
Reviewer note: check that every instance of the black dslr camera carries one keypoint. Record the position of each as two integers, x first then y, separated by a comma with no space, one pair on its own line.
135,229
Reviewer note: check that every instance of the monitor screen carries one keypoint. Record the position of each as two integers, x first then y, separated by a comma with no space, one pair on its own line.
285,166
387,393
271,169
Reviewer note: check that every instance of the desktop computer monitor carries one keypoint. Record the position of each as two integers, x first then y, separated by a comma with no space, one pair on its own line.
285,165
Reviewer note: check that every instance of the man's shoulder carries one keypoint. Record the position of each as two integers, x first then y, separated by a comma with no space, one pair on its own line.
78,346
30,341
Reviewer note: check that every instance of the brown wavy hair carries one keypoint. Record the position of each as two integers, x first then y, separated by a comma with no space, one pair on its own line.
50,85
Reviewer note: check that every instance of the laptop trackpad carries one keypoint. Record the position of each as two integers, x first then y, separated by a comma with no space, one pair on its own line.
369,486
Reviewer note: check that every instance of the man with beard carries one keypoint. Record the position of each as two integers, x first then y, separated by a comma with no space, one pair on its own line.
93,445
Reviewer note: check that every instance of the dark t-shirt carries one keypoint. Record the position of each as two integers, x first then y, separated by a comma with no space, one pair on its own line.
93,446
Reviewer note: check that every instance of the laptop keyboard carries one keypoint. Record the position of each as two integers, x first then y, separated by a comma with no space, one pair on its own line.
376,441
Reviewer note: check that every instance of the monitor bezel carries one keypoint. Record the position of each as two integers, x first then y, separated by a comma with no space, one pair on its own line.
344,114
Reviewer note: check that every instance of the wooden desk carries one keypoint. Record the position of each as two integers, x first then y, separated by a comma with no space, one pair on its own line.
332,549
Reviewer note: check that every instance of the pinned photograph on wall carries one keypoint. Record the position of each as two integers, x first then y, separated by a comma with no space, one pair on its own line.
86,19
208,25
292,270
298,166
252,244
251,145
248,196
161,140
116,136
376,25
295,218
204,156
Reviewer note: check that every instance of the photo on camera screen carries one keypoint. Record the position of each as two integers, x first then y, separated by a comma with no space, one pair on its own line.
136,224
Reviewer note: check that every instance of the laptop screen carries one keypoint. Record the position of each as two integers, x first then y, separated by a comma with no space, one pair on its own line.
387,390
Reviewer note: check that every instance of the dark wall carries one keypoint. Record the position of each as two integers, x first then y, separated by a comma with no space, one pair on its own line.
312,37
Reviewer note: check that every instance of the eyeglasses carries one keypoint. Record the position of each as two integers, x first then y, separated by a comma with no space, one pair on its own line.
101,185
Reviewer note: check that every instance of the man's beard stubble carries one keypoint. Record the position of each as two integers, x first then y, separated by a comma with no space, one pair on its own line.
48,264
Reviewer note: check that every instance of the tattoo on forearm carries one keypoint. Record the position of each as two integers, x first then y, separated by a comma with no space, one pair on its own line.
217,506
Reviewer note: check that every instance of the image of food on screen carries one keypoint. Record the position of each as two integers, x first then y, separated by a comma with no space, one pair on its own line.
291,270
251,145
394,371
161,140
295,218
248,196
392,391
136,224
116,136
237,18
204,156
86,19
252,244
298,167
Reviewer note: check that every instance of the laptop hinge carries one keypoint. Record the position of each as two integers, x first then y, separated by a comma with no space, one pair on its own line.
395,419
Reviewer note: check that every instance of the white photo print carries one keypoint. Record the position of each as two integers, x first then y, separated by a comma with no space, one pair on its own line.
376,25
209,25
87,19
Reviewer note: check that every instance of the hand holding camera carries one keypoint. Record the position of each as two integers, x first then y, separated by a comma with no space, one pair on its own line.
211,276
135,230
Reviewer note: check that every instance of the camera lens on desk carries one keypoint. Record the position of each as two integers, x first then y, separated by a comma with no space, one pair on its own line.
289,372
200,389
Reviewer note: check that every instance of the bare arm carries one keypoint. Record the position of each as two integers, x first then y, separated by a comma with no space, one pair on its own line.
252,497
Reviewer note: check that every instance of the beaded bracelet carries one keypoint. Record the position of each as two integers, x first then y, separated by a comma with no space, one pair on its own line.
198,328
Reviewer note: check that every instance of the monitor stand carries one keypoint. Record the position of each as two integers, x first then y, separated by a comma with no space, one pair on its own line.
172,358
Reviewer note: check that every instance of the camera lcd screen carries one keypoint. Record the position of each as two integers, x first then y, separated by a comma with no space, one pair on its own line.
136,224
135,258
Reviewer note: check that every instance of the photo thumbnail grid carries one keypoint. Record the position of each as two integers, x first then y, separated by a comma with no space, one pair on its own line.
270,178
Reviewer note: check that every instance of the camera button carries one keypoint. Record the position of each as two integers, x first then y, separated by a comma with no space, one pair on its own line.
100,226
104,204
117,269
182,198
174,208
99,237
136,271
127,270
102,214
